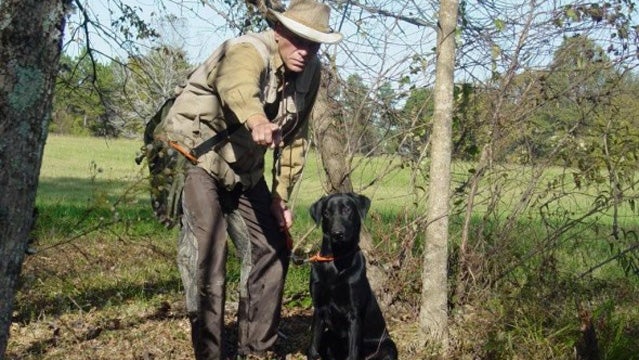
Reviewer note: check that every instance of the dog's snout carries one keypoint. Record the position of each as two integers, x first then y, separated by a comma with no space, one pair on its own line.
337,234
337,229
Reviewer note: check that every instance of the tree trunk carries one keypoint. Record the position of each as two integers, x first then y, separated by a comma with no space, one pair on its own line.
330,139
331,142
31,33
433,315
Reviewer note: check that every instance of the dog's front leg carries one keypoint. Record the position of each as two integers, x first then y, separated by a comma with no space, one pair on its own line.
317,329
354,336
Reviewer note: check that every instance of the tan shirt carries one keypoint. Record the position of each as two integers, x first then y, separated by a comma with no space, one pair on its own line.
244,85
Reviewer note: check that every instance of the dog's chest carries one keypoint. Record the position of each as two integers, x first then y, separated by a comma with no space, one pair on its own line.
337,284
328,275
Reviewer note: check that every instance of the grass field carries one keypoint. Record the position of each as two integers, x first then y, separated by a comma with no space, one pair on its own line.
103,284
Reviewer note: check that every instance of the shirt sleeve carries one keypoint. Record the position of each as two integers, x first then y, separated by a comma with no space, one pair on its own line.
237,81
291,164
293,154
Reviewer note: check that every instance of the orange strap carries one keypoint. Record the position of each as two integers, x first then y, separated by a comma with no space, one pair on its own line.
319,258
182,150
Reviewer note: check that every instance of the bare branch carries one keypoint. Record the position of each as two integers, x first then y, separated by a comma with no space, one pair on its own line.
379,11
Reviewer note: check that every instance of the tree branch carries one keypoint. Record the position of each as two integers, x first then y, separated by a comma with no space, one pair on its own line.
375,10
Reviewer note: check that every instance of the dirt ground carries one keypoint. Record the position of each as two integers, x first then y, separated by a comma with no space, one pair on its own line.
161,333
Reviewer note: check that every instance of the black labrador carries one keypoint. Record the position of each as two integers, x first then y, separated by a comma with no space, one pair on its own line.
347,320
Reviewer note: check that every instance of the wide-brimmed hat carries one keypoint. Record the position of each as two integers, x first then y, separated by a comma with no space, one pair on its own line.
308,19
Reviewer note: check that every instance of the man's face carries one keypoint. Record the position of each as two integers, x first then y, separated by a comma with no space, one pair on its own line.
295,51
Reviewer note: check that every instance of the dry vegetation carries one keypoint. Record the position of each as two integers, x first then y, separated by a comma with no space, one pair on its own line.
84,320
103,283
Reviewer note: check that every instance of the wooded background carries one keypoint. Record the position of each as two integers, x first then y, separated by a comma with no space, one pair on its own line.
542,89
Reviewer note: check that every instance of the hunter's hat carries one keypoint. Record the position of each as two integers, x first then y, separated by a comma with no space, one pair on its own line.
308,19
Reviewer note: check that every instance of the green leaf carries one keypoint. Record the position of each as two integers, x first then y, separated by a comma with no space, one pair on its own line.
572,14
495,51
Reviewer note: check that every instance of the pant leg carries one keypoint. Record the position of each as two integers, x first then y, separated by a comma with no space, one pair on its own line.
241,238
204,221
187,264
260,311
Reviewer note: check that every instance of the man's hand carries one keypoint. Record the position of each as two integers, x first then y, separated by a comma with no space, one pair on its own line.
264,132
283,215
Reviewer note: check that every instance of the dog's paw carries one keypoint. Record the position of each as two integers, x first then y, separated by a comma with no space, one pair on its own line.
312,354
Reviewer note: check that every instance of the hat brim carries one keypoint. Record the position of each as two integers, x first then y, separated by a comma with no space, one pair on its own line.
306,32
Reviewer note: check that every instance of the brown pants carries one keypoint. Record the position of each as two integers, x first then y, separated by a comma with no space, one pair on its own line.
202,253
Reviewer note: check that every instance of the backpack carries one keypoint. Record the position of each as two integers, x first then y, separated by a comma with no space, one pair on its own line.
168,161
167,170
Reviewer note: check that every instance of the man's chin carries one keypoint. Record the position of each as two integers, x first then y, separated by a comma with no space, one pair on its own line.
295,68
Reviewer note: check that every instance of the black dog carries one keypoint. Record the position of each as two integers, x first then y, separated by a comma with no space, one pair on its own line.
347,321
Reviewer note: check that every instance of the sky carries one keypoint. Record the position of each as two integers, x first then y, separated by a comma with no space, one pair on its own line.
376,48
194,31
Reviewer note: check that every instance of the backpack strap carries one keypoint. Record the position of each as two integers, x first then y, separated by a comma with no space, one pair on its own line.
209,143
258,41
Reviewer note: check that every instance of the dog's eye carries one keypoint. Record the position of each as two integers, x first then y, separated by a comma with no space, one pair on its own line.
346,210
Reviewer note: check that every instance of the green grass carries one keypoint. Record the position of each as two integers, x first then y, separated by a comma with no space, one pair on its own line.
101,252
89,182
92,193
92,198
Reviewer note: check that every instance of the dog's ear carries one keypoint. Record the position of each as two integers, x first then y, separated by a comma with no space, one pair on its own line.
363,203
316,209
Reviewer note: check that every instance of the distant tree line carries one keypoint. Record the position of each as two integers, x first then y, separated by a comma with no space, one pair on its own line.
578,97
117,98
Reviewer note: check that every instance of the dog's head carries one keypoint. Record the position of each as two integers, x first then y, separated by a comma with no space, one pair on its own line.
340,216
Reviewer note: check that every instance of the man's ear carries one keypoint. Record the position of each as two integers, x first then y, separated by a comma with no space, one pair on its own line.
316,209
278,31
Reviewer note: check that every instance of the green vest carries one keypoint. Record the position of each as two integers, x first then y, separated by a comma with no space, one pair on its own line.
197,115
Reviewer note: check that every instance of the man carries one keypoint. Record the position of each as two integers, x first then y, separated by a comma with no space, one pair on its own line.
257,91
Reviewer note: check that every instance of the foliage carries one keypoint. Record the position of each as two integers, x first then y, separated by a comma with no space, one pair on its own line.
414,122
147,81
544,218
83,97
130,23
616,16
356,111
416,115
556,148
95,220
114,99
567,115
